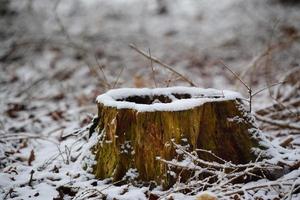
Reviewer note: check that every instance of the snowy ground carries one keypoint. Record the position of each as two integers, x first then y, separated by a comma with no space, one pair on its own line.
50,53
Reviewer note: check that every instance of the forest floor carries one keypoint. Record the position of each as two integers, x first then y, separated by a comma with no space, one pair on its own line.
56,57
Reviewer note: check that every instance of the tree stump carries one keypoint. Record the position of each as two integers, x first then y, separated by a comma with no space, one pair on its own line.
136,126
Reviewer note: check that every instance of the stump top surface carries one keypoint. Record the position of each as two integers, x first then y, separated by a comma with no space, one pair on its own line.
163,99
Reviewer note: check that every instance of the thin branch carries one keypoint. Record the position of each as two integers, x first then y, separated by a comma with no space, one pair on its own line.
119,75
281,124
62,27
228,68
152,68
211,153
73,44
227,165
162,64
267,87
102,71
270,48
287,141
256,186
248,88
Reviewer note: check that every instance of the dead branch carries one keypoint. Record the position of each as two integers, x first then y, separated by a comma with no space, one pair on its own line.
152,68
118,77
281,124
256,186
265,88
168,67
31,178
267,51
286,142
228,68
249,90
74,45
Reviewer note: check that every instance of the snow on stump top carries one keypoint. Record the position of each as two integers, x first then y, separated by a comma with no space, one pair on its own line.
136,126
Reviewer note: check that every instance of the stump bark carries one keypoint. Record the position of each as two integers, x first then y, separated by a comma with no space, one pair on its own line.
137,125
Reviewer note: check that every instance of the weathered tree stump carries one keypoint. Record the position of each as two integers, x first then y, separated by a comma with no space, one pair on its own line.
136,126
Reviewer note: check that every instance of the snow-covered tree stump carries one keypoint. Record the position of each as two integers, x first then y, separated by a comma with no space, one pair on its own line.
137,125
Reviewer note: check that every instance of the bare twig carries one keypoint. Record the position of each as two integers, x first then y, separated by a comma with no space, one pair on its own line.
270,48
228,68
118,77
256,186
227,165
62,27
31,178
74,45
286,142
212,154
246,86
267,87
161,64
152,68
281,124
103,73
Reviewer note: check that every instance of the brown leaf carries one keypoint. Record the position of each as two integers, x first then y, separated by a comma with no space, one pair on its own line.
57,115
86,121
58,97
289,30
14,108
153,197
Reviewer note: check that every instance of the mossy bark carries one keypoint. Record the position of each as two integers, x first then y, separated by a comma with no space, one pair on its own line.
132,139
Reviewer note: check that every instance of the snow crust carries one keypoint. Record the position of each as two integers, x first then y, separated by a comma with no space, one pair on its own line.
199,96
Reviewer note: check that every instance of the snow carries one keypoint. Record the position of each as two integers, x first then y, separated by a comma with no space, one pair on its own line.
199,96
57,87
